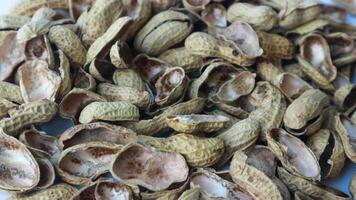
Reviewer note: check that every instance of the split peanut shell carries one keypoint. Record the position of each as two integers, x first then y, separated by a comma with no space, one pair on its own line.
346,129
198,151
195,5
106,190
82,163
251,179
344,97
47,173
120,55
166,194
275,46
20,174
295,15
109,111
38,82
197,123
352,186
60,191
83,80
128,78
291,85
294,155
214,15
148,167
10,92
140,11
98,131
263,159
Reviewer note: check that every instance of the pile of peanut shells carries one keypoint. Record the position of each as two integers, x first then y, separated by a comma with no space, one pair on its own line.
177,99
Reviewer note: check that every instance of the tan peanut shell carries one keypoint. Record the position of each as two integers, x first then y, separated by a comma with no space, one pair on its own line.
82,163
294,155
116,31
212,186
197,123
352,186
101,70
98,131
34,112
5,106
263,159
64,71
205,45
251,179
10,92
38,82
260,17
86,192
158,123
109,111
345,128
99,18
291,85
307,106
148,167
140,11
13,21
315,190
163,31
190,194
20,174
182,58
69,43
239,136
275,46
215,16
169,194
83,80
106,190
195,5
60,191
199,152
120,55
28,8
344,97
308,27
299,15
47,173
39,48
268,69
74,102
128,78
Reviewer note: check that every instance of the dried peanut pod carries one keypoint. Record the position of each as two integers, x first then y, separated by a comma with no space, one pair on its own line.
141,99
83,80
77,7
82,163
20,174
190,194
128,78
109,111
102,14
275,46
86,192
169,194
47,173
99,131
140,11
148,167
38,82
39,48
259,17
199,152
263,159
41,145
214,15
5,106
67,41
116,31
180,57
214,187
28,8
162,32
171,86
74,102
251,179
12,53
238,110
64,71
268,69
352,186
291,85
60,191
120,55
294,155
241,36
328,149
312,189
238,86
339,43
270,105
346,129
344,97
211,79
34,112
10,92
195,5
107,190
292,17
205,45
301,196
13,21
197,123
239,136
303,110
161,5
33,29
158,123
101,70
308,27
